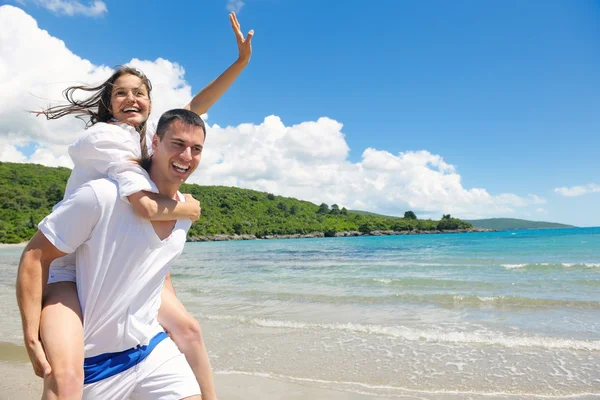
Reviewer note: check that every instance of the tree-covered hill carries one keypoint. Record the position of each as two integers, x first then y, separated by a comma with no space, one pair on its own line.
504,224
28,192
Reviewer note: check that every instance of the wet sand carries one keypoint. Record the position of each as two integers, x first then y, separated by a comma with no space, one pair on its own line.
18,382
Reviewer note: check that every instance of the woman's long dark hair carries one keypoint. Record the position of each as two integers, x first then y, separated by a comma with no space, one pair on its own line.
97,107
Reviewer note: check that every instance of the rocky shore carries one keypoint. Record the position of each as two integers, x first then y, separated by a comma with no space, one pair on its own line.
221,238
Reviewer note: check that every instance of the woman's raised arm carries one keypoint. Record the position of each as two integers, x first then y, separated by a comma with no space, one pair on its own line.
214,90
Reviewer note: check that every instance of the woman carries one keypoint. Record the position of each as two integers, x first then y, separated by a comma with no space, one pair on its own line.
118,113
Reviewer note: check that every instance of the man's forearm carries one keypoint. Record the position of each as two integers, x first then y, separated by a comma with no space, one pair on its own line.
214,90
32,277
31,281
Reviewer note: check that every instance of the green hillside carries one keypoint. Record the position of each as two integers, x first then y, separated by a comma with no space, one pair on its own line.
502,224
28,192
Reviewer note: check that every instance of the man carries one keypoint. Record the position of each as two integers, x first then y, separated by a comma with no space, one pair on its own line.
122,262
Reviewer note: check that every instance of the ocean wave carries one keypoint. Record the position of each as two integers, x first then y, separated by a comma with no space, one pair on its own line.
429,282
549,266
367,389
428,335
383,280
513,302
513,266
445,300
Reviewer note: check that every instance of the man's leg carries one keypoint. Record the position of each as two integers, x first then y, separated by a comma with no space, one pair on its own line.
165,374
61,331
187,335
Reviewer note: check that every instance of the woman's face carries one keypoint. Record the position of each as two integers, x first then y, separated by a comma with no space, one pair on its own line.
130,101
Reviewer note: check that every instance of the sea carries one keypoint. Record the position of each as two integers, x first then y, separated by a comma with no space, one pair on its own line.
492,315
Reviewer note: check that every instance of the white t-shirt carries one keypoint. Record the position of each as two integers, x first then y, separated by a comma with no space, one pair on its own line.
107,150
121,265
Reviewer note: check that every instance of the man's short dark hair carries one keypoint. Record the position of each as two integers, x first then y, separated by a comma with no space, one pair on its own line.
178,114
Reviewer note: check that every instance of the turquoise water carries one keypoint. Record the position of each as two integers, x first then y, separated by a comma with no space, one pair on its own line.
502,314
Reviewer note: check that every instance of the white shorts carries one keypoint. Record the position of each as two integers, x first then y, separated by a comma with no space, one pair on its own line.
163,375
63,269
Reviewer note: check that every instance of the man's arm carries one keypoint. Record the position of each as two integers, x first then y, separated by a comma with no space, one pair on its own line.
54,239
31,282
214,90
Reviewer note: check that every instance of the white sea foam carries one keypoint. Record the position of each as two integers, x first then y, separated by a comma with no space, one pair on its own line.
429,335
383,280
513,266
545,264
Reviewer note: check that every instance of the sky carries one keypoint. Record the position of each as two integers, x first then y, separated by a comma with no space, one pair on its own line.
475,109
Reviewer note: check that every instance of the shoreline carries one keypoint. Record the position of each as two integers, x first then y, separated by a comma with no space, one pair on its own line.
11,245
316,235
313,235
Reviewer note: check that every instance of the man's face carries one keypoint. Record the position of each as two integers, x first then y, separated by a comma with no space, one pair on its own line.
178,154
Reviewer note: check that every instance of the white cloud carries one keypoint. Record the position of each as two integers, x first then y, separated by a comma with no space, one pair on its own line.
308,160
10,153
235,5
575,191
71,7
23,45
536,199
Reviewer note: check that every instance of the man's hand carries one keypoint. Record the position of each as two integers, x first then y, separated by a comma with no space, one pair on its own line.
37,356
193,202
244,45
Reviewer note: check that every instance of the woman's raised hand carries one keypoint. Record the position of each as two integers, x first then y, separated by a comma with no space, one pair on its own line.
244,45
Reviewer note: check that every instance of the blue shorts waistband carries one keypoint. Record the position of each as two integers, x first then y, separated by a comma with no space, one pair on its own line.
106,365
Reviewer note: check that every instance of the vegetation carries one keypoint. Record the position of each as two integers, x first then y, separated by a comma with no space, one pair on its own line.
503,224
410,215
28,192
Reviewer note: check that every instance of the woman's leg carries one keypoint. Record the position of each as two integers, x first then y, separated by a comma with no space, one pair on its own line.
187,335
61,330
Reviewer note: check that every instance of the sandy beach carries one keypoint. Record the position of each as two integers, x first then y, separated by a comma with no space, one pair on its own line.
18,382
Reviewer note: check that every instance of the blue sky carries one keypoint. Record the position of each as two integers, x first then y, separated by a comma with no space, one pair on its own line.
505,91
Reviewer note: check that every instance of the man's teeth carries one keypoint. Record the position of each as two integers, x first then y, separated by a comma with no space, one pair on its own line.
131,109
180,168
